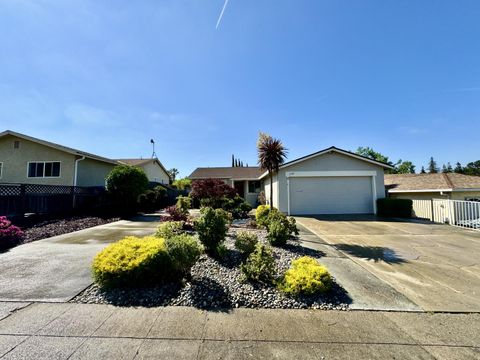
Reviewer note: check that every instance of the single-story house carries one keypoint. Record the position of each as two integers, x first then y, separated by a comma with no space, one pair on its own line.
433,186
28,160
330,181
244,179
154,169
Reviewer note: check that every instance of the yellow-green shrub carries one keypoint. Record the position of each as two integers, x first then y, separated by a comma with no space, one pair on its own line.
306,276
261,214
169,229
132,261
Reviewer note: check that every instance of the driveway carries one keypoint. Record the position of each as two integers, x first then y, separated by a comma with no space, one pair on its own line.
58,268
436,266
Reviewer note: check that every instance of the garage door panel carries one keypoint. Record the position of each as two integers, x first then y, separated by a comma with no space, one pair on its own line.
331,195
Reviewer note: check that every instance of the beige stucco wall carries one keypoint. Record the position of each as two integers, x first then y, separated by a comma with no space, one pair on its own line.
266,181
155,173
15,162
92,172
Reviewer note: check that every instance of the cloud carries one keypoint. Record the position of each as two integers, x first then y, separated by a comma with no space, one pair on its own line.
84,114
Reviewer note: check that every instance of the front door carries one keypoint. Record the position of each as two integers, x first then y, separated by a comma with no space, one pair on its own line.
239,188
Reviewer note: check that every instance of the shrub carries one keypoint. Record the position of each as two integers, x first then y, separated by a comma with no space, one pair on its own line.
184,252
132,262
212,229
215,190
237,206
245,242
152,200
184,203
261,214
176,214
125,183
261,199
10,235
260,265
168,229
306,276
280,228
390,207
182,184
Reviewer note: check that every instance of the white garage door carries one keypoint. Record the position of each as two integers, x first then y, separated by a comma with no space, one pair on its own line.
331,195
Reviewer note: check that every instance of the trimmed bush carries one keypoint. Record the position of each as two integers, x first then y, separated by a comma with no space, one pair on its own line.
260,265
176,213
245,242
132,261
10,235
152,200
391,207
184,252
125,183
261,214
280,228
184,203
212,229
169,229
306,276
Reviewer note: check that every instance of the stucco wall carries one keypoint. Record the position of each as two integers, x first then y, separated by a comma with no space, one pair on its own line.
266,181
155,172
92,172
328,162
15,162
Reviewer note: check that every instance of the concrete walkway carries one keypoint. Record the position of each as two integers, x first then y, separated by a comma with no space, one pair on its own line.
435,266
58,268
80,331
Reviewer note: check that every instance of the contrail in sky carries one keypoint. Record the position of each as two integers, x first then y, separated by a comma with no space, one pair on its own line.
221,14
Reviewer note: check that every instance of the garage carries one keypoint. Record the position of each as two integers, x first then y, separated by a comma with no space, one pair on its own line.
331,195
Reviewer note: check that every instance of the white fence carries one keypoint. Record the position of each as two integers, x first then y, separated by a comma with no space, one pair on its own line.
454,212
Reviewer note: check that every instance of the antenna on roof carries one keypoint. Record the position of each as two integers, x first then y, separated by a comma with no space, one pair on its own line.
153,148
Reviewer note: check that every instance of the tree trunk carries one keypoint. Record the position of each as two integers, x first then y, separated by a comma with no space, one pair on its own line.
271,189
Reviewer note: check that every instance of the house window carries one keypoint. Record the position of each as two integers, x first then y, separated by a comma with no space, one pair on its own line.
16,144
44,169
254,187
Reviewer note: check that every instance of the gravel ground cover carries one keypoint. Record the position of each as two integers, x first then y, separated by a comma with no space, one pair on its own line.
219,284
49,228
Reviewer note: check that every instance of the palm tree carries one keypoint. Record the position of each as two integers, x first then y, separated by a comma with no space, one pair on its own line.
271,154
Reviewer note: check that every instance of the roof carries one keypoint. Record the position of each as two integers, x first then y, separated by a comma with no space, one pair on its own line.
329,150
431,182
233,173
57,146
140,162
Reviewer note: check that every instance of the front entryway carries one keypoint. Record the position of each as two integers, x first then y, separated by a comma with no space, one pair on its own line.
239,188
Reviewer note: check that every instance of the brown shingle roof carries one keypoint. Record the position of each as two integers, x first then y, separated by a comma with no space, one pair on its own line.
251,172
404,182
134,162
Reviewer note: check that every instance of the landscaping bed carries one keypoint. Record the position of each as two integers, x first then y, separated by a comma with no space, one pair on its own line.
219,284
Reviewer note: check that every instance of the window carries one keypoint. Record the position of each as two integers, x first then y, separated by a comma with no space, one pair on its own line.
44,169
254,187
16,144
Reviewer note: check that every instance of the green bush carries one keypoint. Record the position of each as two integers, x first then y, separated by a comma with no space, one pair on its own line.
184,203
132,262
212,229
169,229
260,265
280,228
124,184
184,252
152,200
245,242
391,207
306,276
182,184
261,215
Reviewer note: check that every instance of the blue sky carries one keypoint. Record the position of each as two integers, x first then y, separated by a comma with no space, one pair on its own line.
106,76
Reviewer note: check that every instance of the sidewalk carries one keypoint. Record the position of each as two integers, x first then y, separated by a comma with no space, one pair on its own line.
82,331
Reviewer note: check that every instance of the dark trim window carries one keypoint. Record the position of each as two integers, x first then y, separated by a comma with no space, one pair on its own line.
254,187
44,169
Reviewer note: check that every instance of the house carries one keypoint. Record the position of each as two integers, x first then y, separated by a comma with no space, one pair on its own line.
244,179
154,169
330,181
433,186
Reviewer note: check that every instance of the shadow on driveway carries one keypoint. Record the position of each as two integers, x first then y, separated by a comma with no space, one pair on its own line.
375,253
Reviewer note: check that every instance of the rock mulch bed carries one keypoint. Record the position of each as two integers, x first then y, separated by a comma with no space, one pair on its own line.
219,284
49,228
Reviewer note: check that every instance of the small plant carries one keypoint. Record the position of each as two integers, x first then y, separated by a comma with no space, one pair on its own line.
212,229
176,213
280,228
260,265
261,215
10,235
168,229
261,199
306,276
184,252
245,242
184,203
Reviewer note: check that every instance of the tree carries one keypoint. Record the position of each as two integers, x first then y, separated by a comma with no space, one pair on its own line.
423,171
173,172
233,160
213,189
472,168
432,166
372,154
444,169
449,167
125,183
405,167
271,154
458,168
182,184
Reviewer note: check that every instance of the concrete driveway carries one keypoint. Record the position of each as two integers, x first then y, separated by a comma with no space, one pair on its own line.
436,266
58,268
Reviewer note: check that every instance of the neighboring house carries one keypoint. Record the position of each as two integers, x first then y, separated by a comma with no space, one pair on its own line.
433,186
154,169
330,181
244,179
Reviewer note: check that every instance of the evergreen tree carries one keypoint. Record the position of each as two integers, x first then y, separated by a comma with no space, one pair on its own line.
432,166
458,168
444,168
233,160
423,171
449,167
